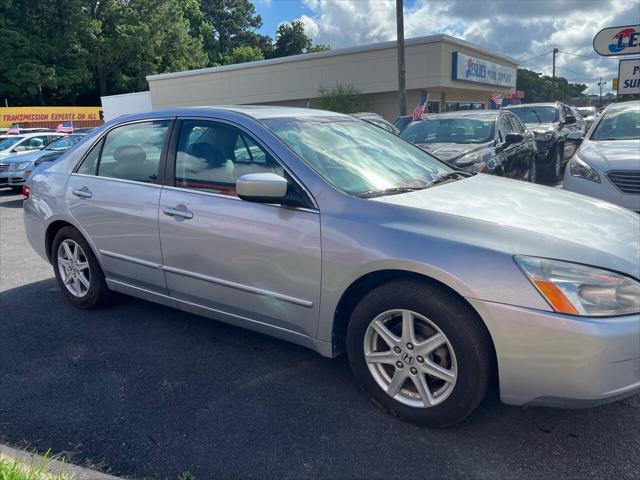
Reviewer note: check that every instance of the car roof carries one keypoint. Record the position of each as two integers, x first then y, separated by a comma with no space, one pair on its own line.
540,104
623,105
35,134
463,113
258,112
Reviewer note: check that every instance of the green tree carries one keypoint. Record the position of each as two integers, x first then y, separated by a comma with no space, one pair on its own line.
319,47
340,98
537,87
243,54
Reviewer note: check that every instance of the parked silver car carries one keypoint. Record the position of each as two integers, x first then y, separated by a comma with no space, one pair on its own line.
332,233
607,164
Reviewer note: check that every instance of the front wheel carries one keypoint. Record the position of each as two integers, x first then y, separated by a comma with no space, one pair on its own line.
554,173
420,352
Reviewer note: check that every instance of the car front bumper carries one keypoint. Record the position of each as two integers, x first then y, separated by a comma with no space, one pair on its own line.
549,359
605,190
16,179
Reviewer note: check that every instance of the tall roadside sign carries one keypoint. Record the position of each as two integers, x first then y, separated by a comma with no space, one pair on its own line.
617,41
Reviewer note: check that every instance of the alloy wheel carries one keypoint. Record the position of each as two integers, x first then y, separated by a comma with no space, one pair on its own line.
410,358
73,266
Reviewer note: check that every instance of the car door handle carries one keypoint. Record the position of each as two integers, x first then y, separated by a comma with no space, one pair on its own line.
83,192
176,212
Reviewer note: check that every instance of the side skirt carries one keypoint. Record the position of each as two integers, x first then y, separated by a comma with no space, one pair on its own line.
323,348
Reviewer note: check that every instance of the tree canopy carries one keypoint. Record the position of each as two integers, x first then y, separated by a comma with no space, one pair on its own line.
537,87
71,52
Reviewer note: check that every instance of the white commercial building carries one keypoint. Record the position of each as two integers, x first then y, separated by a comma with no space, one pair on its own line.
457,74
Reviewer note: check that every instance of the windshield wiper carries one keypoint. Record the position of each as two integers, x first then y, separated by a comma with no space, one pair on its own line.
447,177
387,191
534,112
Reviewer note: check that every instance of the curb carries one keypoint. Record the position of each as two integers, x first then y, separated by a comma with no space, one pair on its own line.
54,466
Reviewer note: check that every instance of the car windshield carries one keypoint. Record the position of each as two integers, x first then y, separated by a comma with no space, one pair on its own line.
7,143
587,111
64,143
463,129
619,124
356,157
542,114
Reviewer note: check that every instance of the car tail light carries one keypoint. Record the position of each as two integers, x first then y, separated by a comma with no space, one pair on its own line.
26,191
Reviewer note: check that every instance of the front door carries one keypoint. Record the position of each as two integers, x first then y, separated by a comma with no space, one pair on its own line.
255,262
510,153
114,196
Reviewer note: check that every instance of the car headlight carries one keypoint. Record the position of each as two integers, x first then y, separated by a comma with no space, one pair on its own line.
473,162
543,136
20,166
579,168
577,289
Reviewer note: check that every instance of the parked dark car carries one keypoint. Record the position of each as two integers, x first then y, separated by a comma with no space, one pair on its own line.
377,120
551,123
487,141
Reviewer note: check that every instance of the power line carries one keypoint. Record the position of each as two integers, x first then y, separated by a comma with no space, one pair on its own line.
583,56
537,56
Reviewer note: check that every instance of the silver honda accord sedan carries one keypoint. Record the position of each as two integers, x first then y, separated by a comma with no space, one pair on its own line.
329,232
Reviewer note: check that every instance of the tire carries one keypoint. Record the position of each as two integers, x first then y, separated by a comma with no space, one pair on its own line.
466,353
554,171
93,293
533,171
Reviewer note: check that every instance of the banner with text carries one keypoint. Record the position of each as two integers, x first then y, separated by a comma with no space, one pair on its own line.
11,115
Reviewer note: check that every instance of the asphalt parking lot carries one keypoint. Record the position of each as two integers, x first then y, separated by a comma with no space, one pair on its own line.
144,391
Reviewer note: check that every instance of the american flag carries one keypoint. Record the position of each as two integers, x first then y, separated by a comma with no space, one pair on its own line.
14,130
421,107
65,127
497,99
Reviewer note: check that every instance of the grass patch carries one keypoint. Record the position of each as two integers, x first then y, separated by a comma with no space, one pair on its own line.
14,469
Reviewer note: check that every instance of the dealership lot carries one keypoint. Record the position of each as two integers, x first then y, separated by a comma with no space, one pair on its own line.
149,392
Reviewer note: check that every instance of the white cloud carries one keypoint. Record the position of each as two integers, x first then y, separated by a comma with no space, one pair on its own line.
519,28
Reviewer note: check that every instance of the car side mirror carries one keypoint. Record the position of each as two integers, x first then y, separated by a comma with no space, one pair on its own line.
512,138
576,136
262,187
570,120
20,148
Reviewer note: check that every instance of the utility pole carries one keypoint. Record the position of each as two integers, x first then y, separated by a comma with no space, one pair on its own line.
402,84
553,76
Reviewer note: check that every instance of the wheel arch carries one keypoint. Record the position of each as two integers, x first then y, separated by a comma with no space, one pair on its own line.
54,227
367,282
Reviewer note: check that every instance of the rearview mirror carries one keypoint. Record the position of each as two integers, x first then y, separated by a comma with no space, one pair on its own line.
576,136
569,120
512,138
262,187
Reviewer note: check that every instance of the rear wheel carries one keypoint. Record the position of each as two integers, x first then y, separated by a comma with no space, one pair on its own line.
77,270
419,352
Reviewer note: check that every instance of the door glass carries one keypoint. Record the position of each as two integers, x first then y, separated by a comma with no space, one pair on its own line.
211,156
504,127
132,152
34,143
517,124
90,164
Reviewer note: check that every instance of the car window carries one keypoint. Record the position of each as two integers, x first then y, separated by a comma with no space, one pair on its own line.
89,165
517,124
444,129
504,127
34,143
619,124
9,142
132,152
216,156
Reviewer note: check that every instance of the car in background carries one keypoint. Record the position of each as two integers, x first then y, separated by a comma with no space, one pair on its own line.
22,166
550,123
589,114
13,146
487,141
377,120
607,164
580,122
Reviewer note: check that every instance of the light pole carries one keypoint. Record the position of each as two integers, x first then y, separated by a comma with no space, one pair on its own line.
600,84
402,84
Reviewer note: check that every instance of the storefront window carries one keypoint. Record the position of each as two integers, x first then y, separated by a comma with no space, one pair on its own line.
457,106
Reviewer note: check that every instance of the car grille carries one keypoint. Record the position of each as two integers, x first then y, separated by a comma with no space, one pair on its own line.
4,167
626,181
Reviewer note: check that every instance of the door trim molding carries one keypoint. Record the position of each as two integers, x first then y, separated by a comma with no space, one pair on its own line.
239,286
127,258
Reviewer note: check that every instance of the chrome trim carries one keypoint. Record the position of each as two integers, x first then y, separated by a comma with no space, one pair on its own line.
121,180
127,258
230,197
197,305
239,286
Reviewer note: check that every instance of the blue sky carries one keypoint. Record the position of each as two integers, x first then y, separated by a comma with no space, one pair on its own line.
522,29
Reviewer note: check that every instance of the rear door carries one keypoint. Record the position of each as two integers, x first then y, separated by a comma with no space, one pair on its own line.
114,196
253,262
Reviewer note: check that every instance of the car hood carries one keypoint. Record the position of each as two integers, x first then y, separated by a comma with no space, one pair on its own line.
530,219
450,151
25,157
541,127
611,155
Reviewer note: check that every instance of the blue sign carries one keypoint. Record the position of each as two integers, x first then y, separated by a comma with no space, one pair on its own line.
477,70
